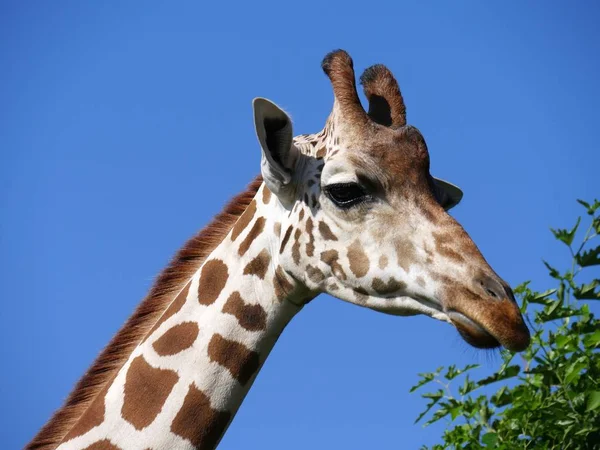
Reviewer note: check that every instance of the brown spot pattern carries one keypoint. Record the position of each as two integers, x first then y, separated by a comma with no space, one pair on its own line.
443,247
359,261
266,195
93,417
198,422
286,238
391,287
176,339
281,284
257,228
104,444
259,265
241,362
451,254
321,152
331,258
326,232
250,317
277,228
310,246
301,215
296,247
315,274
383,261
421,281
213,278
146,390
166,287
406,254
244,220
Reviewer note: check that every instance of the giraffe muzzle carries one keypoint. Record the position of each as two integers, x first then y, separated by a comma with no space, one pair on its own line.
491,324
471,331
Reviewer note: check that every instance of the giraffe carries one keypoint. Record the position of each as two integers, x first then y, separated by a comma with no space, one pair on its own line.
351,211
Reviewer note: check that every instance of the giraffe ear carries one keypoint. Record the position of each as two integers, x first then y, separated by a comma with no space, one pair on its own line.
447,194
279,155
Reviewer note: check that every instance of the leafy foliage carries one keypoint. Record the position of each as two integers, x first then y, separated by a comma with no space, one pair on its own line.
552,399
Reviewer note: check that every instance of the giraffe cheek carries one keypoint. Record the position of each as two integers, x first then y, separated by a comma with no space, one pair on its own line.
331,259
358,259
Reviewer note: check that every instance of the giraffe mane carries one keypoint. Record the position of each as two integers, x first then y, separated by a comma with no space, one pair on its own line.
168,283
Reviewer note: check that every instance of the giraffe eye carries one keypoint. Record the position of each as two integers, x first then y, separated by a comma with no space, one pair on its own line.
346,195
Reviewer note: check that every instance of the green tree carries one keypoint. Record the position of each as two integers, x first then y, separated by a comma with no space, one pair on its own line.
551,400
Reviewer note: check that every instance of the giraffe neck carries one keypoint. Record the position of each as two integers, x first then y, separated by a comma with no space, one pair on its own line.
181,387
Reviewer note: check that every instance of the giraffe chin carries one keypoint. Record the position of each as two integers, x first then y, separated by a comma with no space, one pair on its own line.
472,332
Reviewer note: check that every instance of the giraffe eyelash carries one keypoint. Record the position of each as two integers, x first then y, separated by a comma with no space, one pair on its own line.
346,195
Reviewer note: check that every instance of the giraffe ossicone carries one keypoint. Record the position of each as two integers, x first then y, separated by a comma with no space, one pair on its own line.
351,211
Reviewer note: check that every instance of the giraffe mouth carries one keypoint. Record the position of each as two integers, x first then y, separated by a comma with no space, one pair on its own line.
471,331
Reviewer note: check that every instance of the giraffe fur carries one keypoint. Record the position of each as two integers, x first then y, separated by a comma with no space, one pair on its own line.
351,211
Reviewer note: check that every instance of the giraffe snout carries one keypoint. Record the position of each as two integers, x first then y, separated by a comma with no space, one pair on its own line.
486,314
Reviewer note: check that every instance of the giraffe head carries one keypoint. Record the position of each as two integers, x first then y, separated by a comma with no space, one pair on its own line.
363,219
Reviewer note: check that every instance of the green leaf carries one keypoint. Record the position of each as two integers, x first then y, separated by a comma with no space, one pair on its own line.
434,397
553,272
439,414
593,401
562,341
490,439
425,378
591,209
467,386
552,307
587,291
586,205
589,258
455,412
592,340
554,312
509,372
574,370
560,293
501,398
453,372
541,297
564,235
522,288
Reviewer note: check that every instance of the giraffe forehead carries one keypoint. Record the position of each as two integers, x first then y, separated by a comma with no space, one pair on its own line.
381,151
339,170
390,161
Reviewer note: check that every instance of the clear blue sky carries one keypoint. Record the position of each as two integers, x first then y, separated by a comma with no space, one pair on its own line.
125,126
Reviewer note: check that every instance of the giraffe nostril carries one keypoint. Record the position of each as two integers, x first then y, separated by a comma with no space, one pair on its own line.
492,287
491,293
